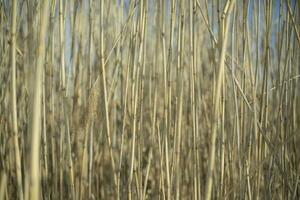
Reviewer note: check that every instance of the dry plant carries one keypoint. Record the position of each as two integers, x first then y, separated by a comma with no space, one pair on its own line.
138,99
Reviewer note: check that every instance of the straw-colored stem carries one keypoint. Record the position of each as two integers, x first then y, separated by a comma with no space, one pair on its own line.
37,101
14,99
216,110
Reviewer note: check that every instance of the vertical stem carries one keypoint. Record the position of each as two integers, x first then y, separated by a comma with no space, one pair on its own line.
105,90
216,109
14,98
62,46
37,101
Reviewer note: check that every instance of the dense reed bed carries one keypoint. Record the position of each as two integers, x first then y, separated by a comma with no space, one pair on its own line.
138,99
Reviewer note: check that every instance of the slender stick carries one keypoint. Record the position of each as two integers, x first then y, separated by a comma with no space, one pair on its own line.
105,91
37,101
216,110
14,98
62,45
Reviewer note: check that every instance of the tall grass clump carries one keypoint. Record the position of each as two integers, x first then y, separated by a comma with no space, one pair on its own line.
138,99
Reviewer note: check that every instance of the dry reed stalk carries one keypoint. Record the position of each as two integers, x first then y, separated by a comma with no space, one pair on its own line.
62,46
82,150
3,186
14,99
180,101
108,133
34,189
216,106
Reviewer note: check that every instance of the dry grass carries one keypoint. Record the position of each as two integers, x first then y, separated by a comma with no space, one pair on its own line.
146,99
